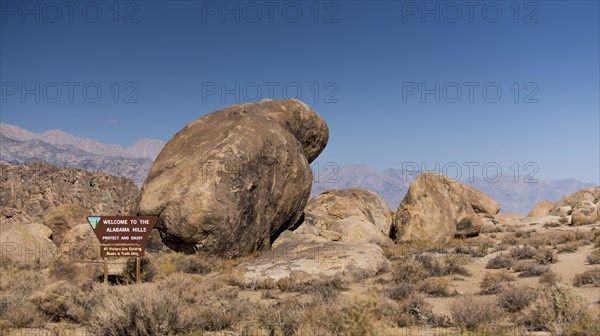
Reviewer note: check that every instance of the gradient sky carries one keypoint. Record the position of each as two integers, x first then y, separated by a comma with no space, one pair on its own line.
360,57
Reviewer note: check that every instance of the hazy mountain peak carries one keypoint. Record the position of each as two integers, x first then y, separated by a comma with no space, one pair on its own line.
144,148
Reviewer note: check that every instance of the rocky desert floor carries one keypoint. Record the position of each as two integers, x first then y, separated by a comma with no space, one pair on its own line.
515,278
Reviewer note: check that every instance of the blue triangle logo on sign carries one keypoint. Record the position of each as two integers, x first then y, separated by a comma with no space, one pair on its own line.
93,221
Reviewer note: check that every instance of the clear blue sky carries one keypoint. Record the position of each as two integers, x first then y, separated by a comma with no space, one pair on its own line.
368,62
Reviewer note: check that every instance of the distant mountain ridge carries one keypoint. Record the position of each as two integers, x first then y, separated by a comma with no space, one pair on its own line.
62,149
144,148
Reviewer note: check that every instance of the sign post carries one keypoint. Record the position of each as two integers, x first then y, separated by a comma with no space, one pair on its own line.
122,236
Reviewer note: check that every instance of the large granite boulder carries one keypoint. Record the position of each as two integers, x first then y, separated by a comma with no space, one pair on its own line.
435,209
230,182
26,244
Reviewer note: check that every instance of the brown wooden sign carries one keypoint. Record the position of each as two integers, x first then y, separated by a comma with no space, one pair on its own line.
122,236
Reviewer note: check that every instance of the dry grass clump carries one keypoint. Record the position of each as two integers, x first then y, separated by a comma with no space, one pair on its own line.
589,277
401,290
438,266
436,287
569,247
470,312
408,270
16,288
327,288
545,256
550,278
594,257
413,310
148,270
557,309
586,325
179,303
492,282
514,299
523,252
170,263
529,269
499,262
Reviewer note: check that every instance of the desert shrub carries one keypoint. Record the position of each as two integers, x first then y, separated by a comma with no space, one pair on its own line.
594,257
24,313
408,270
416,306
284,319
556,309
586,325
17,284
474,251
326,289
492,282
470,312
194,264
499,262
545,256
595,237
62,300
148,270
514,299
569,247
523,252
529,269
534,271
589,277
401,290
438,266
177,304
138,310
437,287
549,278
360,317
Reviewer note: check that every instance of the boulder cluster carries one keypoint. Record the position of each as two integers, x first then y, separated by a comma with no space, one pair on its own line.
238,181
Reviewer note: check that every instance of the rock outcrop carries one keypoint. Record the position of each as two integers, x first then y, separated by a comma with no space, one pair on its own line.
229,182
63,218
583,207
81,247
436,208
543,208
305,257
30,191
26,244
356,214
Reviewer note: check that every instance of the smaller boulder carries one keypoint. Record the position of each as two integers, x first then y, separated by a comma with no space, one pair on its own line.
63,218
26,244
542,208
